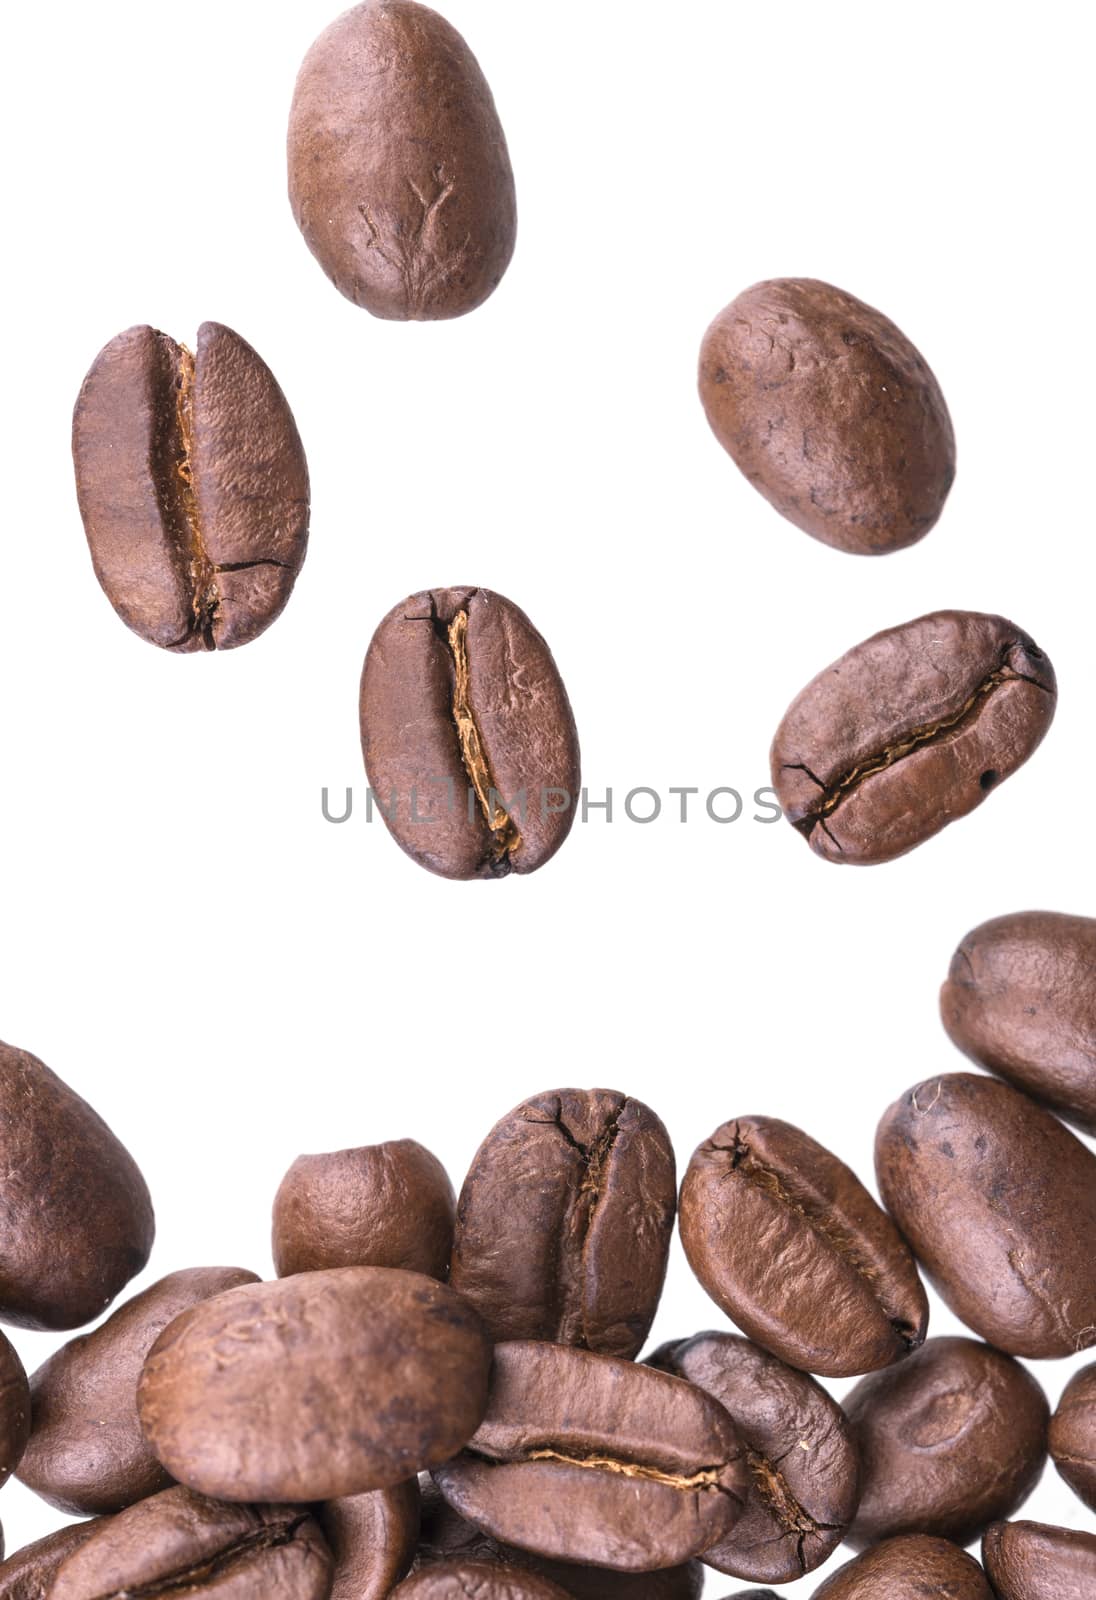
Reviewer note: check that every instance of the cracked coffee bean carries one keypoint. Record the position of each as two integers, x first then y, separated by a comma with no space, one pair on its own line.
834,1290
908,731
87,1454
372,1540
910,1568
384,1205
478,1580
998,1201
192,485
14,1409
399,176
803,1464
178,1543
315,1387
28,1573
585,1458
830,412
469,743
1033,1561
1073,1435
565,1222
952,1440
1020,1000
63,1175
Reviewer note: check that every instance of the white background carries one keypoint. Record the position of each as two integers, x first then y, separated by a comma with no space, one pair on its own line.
229,978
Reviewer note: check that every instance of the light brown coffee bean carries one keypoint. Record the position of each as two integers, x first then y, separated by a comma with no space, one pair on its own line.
28,1573
1033,1561
14,1409
372,1540
478,1580
914,1567
1073,1435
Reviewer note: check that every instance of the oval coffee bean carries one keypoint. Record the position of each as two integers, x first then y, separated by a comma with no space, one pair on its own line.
585,1458
469,743
911,1568
1073,1435
14,1409
1020,1000
803,1464
1032,1561
192,485
952,1440
834,1290
908,731
385,1205
63,1175
830,412
179,1543
28,1573
998,1201
315,1387
372,1540
399,176
485,1580
565,1221
87,1454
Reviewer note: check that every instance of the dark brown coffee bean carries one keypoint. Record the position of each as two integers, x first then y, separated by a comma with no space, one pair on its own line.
1032,1561
87,1454
372,1539
565,1221
1073,1435
385,1205
63,1176
914,1567
469,743
908,731
585,1458
178,1543
28,1573
998,1201
478,1580
830,412
1020,1000
399,176
192,485
832,1288
952,1440
14,1409
314,1387
803,1465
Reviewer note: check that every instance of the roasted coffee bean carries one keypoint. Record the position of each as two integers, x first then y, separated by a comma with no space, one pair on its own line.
952,1440
192,485
908,731
28,1573
179,1543
830,412
914,1567
998,1201
385,1205
14,1409
478,1580
830,1288
1073,1435
1020,1000
469,743
565,1221
1032,1561
87,1454
63,1176
399,176
372,1539
585,1458
803,1465
314,1387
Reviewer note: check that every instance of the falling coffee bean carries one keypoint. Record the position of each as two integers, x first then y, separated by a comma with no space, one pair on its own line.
913,1567
1033,1561
28,1573
14,1409
908,731
372,1540
192,485
1073,1435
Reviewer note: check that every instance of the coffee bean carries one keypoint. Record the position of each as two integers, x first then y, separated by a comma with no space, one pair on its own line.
14,1409
28,1574
372,1539
789,1243
87,1454
952,1440
386,1205
908,731
803,1465
399,176
585,1458
998,1201
910,1568
469,743
565,1221
830,412
63,1175
1032,1561
485,1580
180,1543
1073,1435
1020,1000
314,1387
193,487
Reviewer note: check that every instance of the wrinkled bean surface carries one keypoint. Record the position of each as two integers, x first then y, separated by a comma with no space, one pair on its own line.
1032,1561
